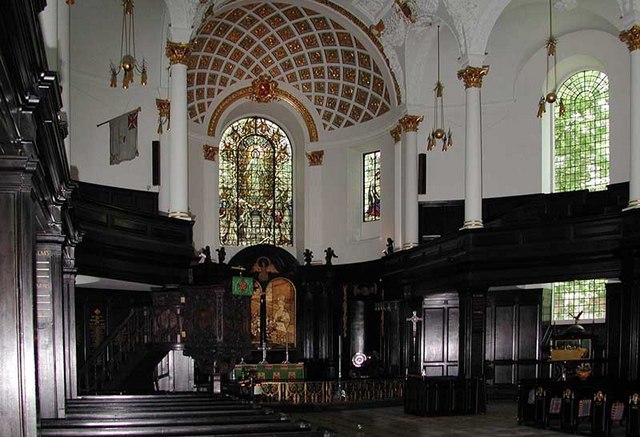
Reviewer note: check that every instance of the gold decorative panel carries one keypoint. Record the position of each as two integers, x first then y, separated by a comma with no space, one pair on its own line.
295,45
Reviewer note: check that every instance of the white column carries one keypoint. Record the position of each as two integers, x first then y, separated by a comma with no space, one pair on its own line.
396,134
49,26
64,60
409,125
211,184
632,38
313,235
472,77
164,113
178,136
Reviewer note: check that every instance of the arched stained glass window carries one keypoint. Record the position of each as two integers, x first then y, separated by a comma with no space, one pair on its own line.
256,184
581,149
371,186
581,161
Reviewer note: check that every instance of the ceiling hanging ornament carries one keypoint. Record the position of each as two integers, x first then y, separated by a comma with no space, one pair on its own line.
550,88
439,133
128,63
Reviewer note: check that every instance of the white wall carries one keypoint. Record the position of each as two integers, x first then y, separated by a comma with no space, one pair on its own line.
95,40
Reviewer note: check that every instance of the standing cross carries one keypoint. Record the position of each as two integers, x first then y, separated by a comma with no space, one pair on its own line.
414,319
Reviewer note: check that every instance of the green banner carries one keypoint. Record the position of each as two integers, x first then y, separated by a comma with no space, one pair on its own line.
242,286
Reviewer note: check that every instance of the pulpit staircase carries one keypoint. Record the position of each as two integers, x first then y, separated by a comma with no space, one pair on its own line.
125,360
181,414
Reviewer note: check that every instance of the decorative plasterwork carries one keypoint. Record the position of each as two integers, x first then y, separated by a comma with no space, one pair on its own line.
565,5
630,10
182,14
396,133
409,123
210,152
295,45
315,157
472,76
370,8
631,37
473,21
178,53
279,94
263,89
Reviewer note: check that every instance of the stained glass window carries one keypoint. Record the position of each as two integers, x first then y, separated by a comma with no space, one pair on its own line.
581,147
581,161
256,184
371,187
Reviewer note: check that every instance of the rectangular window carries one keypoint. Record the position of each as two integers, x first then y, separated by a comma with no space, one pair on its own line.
371,186
586,296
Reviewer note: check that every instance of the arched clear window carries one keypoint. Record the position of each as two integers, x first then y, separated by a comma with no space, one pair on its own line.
256,184
581,161
581,149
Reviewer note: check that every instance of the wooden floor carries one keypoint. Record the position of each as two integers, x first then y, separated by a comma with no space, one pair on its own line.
500,420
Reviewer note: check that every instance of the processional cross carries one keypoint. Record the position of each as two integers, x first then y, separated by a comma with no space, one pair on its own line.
414,319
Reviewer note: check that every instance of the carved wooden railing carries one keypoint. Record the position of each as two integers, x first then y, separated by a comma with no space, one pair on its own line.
100,371
326,392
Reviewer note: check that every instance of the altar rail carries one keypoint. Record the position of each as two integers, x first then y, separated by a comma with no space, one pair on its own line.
331,392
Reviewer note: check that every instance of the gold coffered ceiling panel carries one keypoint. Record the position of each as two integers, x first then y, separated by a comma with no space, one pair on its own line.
297,45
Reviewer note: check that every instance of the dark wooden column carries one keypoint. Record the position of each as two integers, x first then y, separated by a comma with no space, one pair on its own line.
49,326
614,331
69,272
17,366
390,339
623,326
473,307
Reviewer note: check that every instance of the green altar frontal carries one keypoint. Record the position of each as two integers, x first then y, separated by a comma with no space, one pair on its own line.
272,372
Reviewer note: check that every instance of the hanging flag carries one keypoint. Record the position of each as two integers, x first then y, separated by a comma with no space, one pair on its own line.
124,137
242,286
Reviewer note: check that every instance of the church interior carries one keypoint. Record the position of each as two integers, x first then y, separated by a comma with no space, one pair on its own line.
215,211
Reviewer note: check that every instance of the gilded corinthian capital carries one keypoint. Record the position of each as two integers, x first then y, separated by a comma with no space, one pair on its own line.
410,123
178,53
315,157
631,37
472,76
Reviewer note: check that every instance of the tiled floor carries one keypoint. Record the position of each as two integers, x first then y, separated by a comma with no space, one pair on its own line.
500,420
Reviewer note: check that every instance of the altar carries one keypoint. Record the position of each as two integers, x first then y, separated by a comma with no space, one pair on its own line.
270,372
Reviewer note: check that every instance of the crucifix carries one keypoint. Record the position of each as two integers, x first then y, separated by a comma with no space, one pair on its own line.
264,349
414,319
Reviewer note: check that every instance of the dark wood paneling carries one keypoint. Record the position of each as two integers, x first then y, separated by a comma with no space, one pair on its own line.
513,340
440,318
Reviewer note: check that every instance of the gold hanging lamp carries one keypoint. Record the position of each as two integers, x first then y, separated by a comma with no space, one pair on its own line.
439,133
128,64
550,97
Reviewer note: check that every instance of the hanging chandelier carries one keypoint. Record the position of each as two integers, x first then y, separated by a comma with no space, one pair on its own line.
128,63
550,86
439,133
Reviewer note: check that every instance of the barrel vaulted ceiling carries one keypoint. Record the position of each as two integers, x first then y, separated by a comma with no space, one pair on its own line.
297,45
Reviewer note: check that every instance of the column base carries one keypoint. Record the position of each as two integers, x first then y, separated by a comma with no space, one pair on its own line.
472,224
408,245
180,215
633,204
